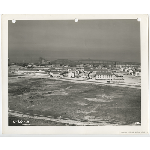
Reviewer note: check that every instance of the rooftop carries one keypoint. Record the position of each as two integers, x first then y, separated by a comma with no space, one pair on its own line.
103,73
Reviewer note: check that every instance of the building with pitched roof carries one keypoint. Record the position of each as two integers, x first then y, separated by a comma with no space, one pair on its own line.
104,75
71,74
55,73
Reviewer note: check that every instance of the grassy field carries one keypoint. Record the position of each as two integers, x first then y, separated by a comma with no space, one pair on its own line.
51,102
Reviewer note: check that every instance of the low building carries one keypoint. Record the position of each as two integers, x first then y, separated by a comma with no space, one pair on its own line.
64,73
83,75
71,69
104,76
130,71
55,74
121,69
77,72
71,74
137,73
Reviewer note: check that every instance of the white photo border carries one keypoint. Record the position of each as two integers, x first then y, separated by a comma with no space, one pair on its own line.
78,130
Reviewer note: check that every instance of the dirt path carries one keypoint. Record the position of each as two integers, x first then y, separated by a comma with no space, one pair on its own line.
97,82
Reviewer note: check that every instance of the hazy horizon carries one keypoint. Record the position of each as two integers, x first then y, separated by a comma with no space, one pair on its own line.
114,40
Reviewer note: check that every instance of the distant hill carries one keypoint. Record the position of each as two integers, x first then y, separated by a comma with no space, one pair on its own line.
65,62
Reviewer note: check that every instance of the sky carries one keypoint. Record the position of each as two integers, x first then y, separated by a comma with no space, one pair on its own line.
117,40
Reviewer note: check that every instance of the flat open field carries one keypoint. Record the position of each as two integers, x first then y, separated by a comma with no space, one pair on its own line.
50,102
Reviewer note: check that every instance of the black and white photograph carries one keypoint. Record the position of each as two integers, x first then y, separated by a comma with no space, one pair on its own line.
75,72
